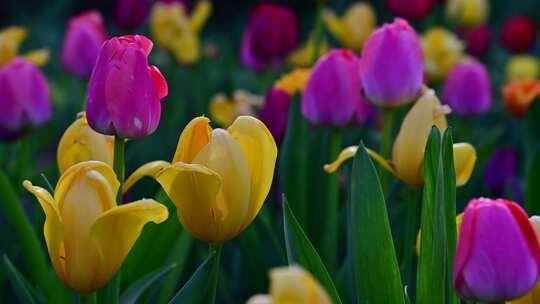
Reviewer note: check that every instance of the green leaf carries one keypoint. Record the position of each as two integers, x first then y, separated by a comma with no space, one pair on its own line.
20,287
431,274
132,293
376,272
301,251
532,194
196,288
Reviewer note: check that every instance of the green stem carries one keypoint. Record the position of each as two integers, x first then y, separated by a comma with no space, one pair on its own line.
318,33
386,143
214,250
88,299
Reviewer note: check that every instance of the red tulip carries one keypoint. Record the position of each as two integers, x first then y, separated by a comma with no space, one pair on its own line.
518,34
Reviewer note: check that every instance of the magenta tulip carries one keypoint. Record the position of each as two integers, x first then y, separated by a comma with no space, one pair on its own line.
83,40
392,65
467,89
270,35
24,98
498,256
275,111
124,93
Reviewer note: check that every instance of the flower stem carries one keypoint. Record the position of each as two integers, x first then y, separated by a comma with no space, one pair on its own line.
214,250
388,125
88,299
318,32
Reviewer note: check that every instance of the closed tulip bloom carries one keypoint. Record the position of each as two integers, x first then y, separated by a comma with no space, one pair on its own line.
477,40
522,67
442,51
518,34
333,89
83,40
411,10
218,179
467,13
497,254
124,93
11,39
518,95
392,65
24,98
292,284
354,27
274,112
80,143
467,89
408,151
87,234
270,35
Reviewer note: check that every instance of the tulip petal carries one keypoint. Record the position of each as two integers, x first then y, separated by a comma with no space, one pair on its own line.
162,89
200,15
53,228
116,230
149,169
195,136
349,152
260,151
464,160
38,57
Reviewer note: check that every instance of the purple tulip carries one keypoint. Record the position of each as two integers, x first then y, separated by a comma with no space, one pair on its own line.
124,93
275,111
270,35
83,40
332,94
392,65
131,14
467,89
24,98
497,256
501,173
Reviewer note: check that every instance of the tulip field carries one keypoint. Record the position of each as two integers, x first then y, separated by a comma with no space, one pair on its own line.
270,152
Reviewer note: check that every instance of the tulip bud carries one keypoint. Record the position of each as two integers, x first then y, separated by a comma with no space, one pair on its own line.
518,34
83,40
467,89
333,90
467,13
124,93
497,255
522,67
411,10
270,35
519,94
24,98
442,51
477,40
392,65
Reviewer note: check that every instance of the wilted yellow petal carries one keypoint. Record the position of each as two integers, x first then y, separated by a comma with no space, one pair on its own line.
38,57
200,15
260,151
194,137
293,284
150,169
464,160
344,155
116,230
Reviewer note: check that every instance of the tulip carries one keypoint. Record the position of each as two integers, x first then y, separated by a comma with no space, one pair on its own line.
518,34
10,40
467,89
292,284
83,40
411,10
224,110
442,51
218,179
522,67
24,98
501,173
333,90
497,254
124,93
409,146
270,35
305,55
392,65
80,143
353,29
177,31
467,13
477,40
519,94
87,234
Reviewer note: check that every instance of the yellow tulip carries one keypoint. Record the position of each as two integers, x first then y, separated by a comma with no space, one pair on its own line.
11,39
292,284
459,220
176,31
218,179
87,234
303,56
81,143
442,50
467,13
409,145
224,111
294,81
522,67
354,28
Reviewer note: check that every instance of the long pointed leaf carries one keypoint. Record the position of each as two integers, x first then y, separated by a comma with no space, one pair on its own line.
532,195
132,294
22,292
196,288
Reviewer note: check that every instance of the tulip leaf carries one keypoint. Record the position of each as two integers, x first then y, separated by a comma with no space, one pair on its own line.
301,251
374,257
132,293
21,287
532,195
196,288
431,273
